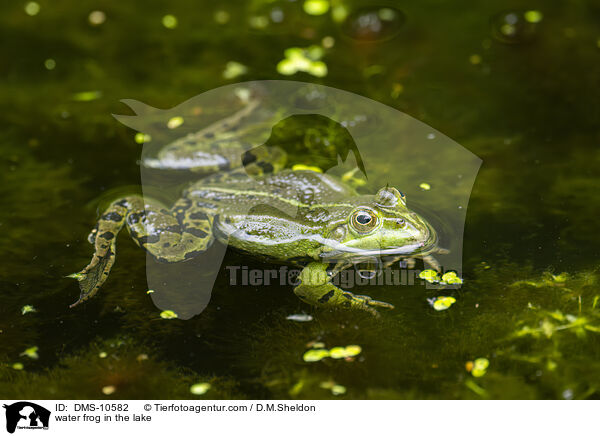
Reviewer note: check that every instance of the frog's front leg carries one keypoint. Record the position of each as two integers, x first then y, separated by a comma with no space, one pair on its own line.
169,235
316,288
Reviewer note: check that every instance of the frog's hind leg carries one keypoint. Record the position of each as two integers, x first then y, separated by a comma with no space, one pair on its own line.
316,288
169,235
103,238
172,235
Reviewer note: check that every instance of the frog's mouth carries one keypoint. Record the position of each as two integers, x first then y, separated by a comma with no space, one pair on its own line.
340,251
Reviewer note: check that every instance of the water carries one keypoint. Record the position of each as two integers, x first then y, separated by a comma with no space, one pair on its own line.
524,100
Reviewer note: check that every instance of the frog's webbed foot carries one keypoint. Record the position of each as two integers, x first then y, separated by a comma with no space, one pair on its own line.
94,275
365,302
103,237
316,288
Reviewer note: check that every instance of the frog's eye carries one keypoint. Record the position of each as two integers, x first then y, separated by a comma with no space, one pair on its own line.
364,220
389,197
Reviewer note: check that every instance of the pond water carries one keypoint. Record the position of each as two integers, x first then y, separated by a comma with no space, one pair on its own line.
515,84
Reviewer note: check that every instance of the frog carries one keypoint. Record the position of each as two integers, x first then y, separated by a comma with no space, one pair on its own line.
249,199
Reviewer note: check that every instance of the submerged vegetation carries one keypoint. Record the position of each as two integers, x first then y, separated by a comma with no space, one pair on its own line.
516,87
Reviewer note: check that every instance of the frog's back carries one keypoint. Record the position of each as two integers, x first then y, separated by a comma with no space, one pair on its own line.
295,189
279,215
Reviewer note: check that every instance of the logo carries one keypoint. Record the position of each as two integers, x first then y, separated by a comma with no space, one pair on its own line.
26,415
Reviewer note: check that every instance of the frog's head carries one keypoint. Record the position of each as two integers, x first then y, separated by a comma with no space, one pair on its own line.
382,226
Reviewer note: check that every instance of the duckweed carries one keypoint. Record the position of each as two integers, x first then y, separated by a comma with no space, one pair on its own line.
533,16
142,138
169,21
316,7
234,69
303,59
200,388
480,367
168,314
451,278
315,355
443,303
429,275
32,8
174,122
109,390
28,308
87,95
31,352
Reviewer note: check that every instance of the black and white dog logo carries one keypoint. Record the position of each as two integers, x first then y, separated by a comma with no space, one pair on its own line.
26,415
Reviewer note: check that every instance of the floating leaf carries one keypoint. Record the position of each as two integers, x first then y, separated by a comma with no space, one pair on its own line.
451,278
425,186
31,352
221,17
141,138
109,390
169,21
429,275
333,387
533,16
258,22
337,353
475,59
353,350
338,390
32,8
443,303
315,355
303,59
168,314
28,308
480,367
87,95
234,69
200,388
345,352
175,122
317,69
96,18
316,7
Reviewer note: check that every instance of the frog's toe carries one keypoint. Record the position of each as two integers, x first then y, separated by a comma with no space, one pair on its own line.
366,303
374,303
92,277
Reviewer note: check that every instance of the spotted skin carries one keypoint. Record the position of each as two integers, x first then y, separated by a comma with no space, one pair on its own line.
315,288
174,235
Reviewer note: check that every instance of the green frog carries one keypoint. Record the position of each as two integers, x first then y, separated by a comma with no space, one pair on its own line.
256,205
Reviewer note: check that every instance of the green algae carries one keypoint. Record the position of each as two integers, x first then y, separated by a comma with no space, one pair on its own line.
120,374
